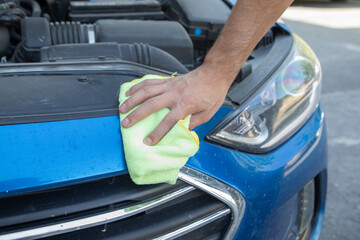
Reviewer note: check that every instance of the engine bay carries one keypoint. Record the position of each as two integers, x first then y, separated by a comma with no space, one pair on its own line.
171,35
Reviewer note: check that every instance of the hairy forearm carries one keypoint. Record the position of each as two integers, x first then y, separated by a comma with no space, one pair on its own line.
248,22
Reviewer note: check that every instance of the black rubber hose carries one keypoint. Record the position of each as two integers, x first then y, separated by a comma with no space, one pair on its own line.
35,7
151,56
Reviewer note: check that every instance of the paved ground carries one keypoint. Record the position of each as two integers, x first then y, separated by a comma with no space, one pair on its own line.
333,31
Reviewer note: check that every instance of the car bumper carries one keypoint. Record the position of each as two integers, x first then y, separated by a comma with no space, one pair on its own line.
269,183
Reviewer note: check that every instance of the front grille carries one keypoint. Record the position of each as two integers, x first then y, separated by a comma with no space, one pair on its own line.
116,208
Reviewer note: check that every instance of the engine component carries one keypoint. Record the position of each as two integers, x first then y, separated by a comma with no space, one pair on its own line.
168,36
34,5
11,14
4,39
35,34
90,11
203,19
137,52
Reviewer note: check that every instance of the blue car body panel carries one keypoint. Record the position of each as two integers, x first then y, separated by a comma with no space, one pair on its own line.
35,156
269,181
42,155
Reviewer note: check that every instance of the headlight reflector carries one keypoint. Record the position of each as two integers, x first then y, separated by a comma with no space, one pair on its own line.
279,108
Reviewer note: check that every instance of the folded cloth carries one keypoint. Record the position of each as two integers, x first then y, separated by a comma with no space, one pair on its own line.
159,163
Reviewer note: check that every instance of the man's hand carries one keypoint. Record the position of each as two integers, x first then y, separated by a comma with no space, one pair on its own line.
199,93
202,91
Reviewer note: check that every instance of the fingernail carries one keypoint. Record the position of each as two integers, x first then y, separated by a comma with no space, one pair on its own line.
125,122
127,93
122,107
148,141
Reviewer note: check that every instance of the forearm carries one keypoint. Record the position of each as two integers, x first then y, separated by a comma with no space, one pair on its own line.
248,22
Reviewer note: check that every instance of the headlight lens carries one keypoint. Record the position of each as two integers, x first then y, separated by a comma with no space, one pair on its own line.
279,109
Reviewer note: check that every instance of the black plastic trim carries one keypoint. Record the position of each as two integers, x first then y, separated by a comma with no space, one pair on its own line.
74,202
52,204
157,221
281,48
75,70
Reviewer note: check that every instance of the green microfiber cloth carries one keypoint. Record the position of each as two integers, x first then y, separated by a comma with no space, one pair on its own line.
159,163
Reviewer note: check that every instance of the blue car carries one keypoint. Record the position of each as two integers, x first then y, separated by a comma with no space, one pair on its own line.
260,172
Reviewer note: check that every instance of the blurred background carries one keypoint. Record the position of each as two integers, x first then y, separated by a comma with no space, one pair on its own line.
332,29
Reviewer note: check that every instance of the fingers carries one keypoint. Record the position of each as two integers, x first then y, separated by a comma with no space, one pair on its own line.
141,95
182,95
148,107
162,129
198,119
145,83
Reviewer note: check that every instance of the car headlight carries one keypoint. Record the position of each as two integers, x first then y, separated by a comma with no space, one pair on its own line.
278,109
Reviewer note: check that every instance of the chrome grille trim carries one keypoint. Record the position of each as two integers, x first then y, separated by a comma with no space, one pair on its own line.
196,225
198,180
87,222
219,190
